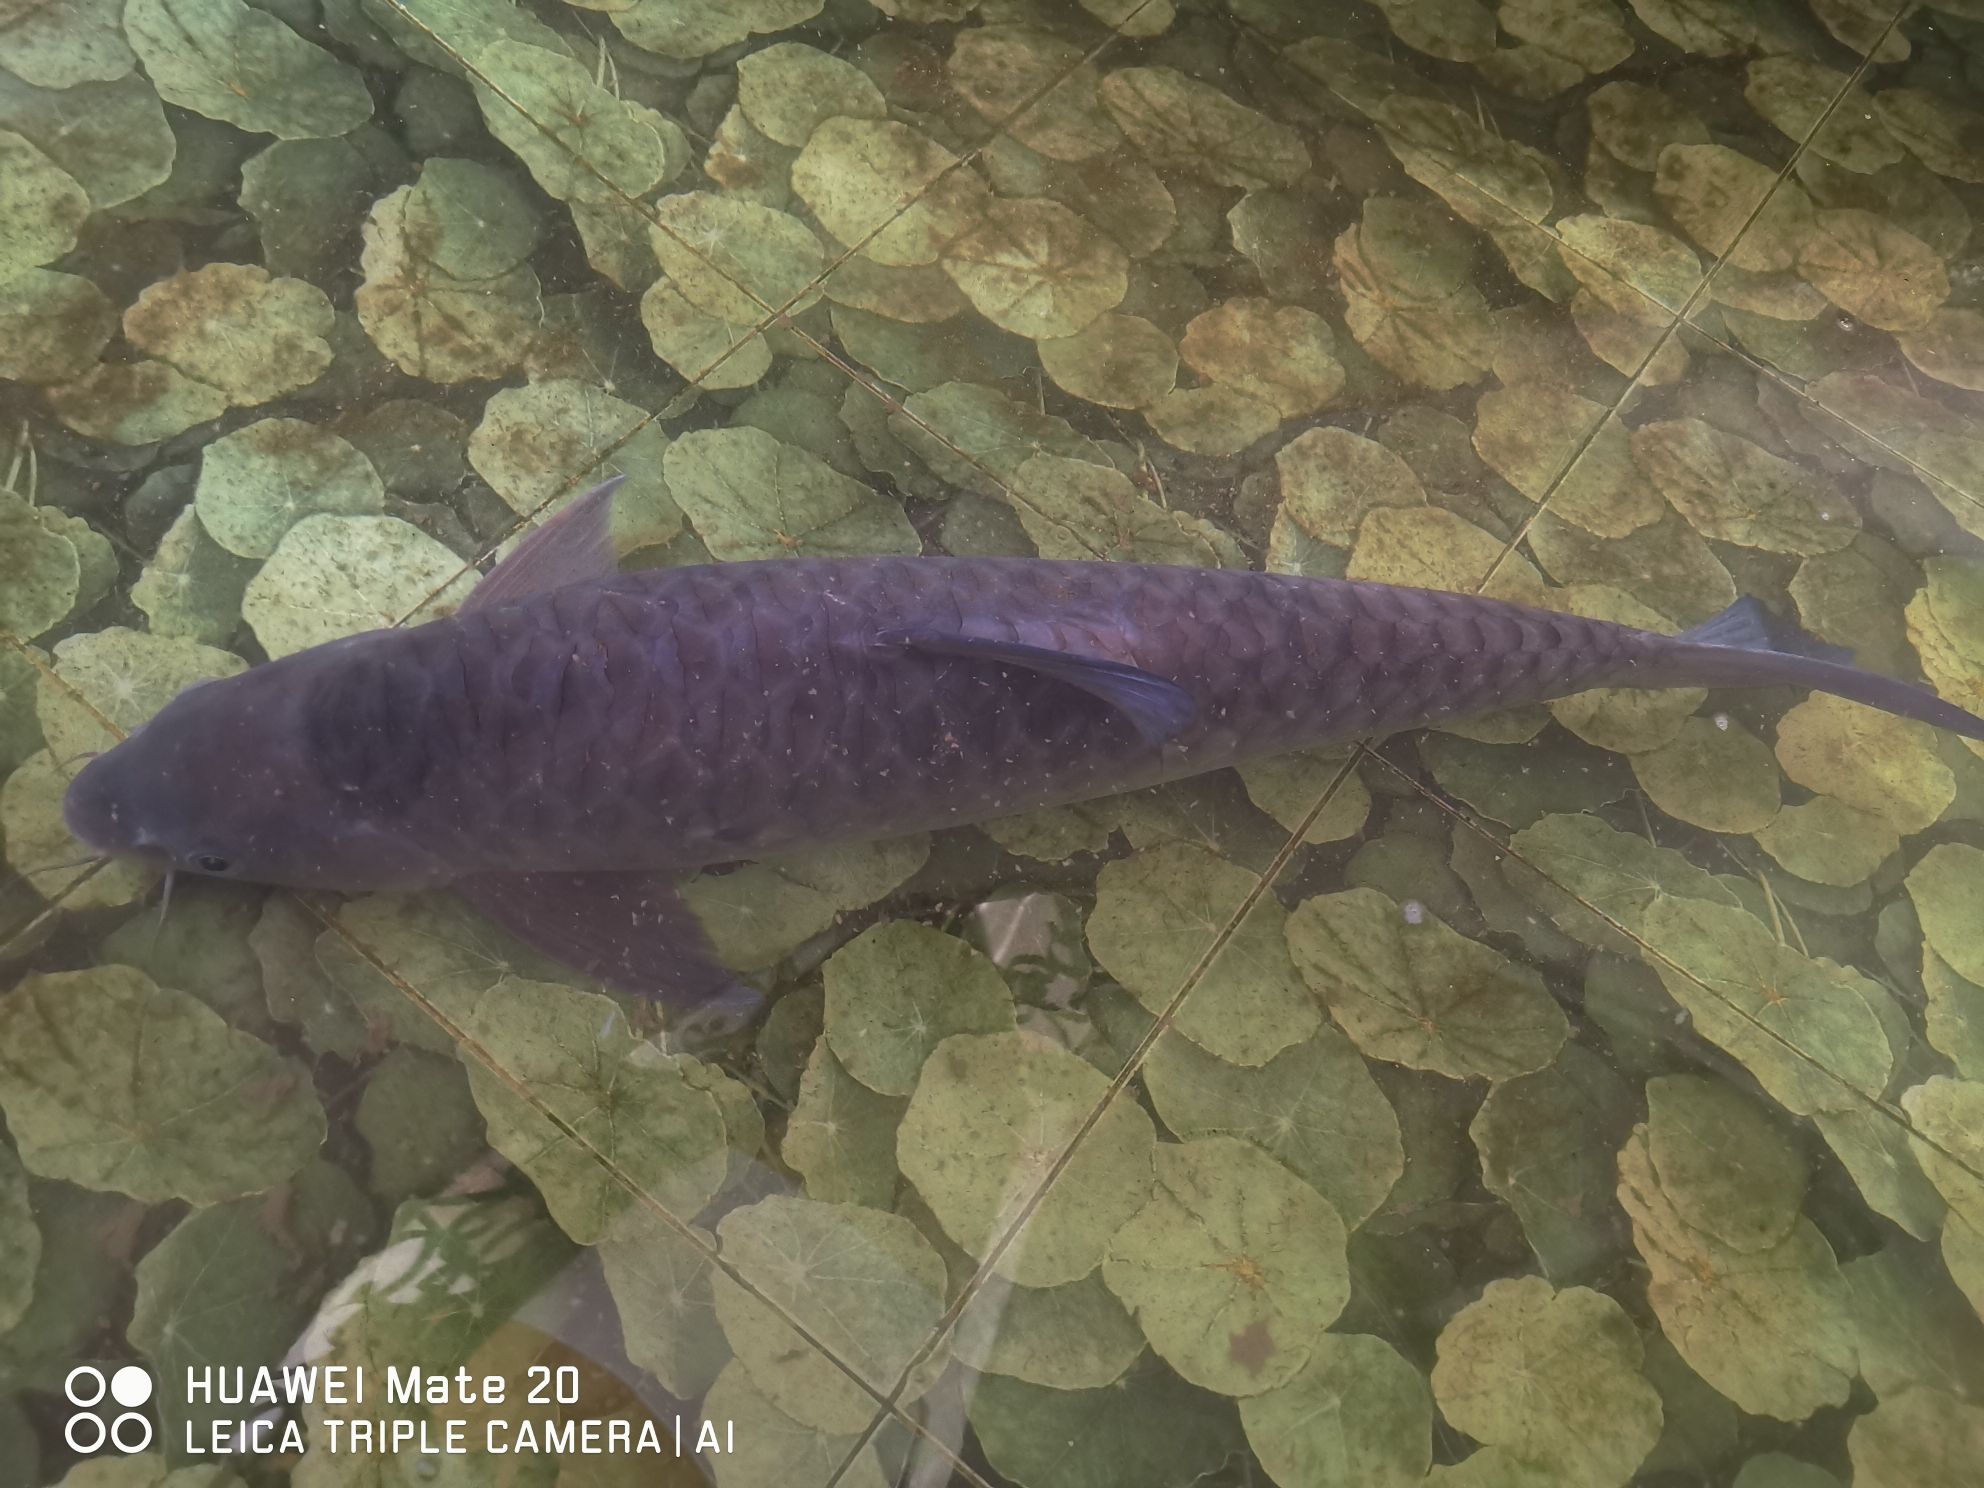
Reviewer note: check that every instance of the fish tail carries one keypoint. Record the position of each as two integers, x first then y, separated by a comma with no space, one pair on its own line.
1745,646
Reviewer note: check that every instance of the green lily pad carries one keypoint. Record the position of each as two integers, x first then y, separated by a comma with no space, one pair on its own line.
581,141
1330,478
1519,785
1944,887
1829,842
1917,1438
787,89
556,436
1233,1269
45,206
1015,1102
1426,547
41,569
1913,1325
880,186
1634,122
1314,1107
23,1241
1409,295
60,45
111,137
897,991
1874,270
1796,94
1810,1030
1279,354
1180,124
1072,509
1714,192
1038,86
1551,1377
771,1447
1872,761
1286,786
587,1109
1735,491
1357,1413
864,1283
688,29
446,294
660,1281
1621,719
135,402
1412,991
976,436
1148,1430
841,1136
1037,269
229,61
259,481
1765,1321
419,1119
1943,1125
121,677
1213,420
1540,440
1547,1142
1954,1018
192,587
1949,346
1855,598
1715,774
1935,130
1119,361
709,352
735,259
1665,565
113,1082
1073,1337
332,576
52,326
1156,913
750,496
1607,873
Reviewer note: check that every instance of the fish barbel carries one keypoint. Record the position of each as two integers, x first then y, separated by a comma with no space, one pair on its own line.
575,740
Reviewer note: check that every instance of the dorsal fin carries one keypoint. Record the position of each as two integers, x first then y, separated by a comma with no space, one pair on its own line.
572,547
1160,708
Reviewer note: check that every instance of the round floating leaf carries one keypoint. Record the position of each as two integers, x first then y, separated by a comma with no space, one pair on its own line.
1180,124
771,1447
1035,85
60,43
22,1237
1735,491
1939,133
52,326
233,327
688,29
1428,547
1634,122
878,185
841,1136
1829,842
1946,887
749,496
786,90
557,436
1625,264
604,1108
1409,296
1916,1438
1810,1030
1714,192
259,481
1279,354
135,402
1073,1337
1539,439
711,353
1552,1377
1286,786
1014,1102
334,576
1796,94
1421,994
1233,1269
1314,1106
580,140
1665,565
1873,270
897,991
229,61
36,837
1608,873
122,677
1329,479
1768,1327
1072,509
962,430
112,137
1949,346
1214,420
43,204
1943,1115
866,1284
1148,1430
1036,269
1872,761
735,259
1714,774
40,572
1154,916
1119,361
1358,1415
660,1281
112,1082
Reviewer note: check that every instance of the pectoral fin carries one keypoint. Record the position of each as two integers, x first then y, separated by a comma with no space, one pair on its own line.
629,930
575,545
1160,709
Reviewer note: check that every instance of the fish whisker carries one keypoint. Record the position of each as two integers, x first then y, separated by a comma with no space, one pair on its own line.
89,861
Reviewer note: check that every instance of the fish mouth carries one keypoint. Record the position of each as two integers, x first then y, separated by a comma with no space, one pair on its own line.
90,810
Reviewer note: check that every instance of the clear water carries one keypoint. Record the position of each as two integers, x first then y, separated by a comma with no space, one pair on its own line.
1581,1096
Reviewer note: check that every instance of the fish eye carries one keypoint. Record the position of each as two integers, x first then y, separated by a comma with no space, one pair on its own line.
211,863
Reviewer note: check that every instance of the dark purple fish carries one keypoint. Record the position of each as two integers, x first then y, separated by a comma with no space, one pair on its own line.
575,740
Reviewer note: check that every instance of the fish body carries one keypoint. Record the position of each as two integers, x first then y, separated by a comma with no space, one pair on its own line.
575,740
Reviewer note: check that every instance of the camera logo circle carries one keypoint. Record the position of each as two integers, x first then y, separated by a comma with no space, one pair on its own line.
129,1430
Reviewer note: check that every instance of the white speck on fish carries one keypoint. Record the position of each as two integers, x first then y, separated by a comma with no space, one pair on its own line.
1721,721
1414,911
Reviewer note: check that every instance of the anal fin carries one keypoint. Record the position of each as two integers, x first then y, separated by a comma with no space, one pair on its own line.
631,931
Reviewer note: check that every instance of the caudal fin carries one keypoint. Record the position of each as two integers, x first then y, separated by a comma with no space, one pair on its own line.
1745,646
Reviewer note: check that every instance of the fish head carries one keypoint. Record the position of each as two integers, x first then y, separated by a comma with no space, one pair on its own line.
226,781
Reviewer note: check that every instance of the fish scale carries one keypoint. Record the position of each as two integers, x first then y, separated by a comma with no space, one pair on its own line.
678,716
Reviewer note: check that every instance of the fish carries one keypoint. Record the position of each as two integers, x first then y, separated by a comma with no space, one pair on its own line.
573,741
